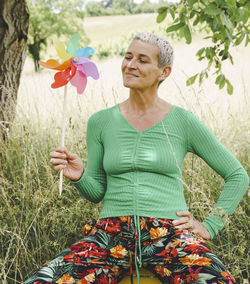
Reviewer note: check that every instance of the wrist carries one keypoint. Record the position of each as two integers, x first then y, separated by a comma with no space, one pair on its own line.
78,178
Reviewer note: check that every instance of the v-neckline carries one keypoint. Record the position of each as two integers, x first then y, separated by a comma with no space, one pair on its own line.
149,128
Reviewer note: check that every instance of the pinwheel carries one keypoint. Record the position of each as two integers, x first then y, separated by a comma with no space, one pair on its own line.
75,68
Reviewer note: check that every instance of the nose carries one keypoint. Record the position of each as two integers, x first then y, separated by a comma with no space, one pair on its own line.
132,63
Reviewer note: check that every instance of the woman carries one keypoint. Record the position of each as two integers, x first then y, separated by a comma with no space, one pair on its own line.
135,155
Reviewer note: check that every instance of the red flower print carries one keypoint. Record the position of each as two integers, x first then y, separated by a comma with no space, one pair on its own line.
177,279
168,253
103,279
72,258
85,273
194,275
196,248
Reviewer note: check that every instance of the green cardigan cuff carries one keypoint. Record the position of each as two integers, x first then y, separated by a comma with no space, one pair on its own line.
214,224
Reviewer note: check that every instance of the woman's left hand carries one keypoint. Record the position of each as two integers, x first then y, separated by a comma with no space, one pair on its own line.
188,221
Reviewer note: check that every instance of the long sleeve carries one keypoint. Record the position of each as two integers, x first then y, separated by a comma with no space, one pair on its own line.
92,184
203,143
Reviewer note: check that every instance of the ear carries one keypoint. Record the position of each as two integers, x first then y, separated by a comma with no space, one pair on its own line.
166,70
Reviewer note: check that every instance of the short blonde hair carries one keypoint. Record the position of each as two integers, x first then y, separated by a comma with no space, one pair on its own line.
166,54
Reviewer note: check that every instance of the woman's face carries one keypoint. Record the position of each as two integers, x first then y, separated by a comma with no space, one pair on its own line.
140,66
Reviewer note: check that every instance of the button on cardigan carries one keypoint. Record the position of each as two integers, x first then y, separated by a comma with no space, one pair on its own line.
139,172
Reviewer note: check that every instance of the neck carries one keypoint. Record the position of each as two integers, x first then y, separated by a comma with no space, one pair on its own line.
143,101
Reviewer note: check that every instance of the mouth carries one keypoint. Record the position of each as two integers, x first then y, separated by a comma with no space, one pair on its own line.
131,75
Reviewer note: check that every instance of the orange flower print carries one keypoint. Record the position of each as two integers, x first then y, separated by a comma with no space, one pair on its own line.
91,277
65,279
176,243
86,229
143,224
226,275
115,270
162,271
124,218
158,232
118,251
195,259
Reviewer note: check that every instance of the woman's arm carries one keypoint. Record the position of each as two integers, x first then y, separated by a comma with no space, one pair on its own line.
92,184
203,143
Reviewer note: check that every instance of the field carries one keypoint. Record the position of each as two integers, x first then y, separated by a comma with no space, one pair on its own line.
36,223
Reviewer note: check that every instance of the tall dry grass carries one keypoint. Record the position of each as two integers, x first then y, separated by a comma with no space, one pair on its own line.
35,223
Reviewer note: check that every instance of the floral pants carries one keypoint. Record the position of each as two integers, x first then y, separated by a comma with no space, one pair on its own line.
113,247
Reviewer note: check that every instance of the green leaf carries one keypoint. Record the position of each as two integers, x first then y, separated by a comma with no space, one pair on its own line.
226,21
212,10
191,80
175,27
187,34
161,16
196,21
220,80
240,39
162,10
230,88
200,51
172,13
191,3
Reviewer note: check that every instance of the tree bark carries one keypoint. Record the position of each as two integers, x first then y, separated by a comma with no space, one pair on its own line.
14,23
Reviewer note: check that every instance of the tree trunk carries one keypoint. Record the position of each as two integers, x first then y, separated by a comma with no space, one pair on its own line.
14,23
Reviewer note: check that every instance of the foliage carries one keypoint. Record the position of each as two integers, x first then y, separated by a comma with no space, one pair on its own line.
225,22
120,7
127,5
94,9
49,18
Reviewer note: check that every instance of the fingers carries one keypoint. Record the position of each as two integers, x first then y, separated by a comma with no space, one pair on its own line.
184,222
184,213
181,221
62,152
59,168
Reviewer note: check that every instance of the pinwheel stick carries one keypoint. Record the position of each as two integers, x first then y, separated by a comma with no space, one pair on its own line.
63,135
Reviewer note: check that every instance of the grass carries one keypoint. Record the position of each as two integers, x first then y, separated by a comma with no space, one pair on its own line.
101,29
35,223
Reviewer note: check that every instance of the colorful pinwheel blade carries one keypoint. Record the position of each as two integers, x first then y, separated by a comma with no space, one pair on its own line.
60,49
85,52
63,77
89,67
73,44
53,64
91,70
79,81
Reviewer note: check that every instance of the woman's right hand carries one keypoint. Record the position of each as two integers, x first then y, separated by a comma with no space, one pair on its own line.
70,163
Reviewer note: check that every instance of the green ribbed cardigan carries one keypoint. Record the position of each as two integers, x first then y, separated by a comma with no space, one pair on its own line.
139,172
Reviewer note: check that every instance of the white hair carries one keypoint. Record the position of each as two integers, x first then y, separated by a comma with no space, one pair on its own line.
166,54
